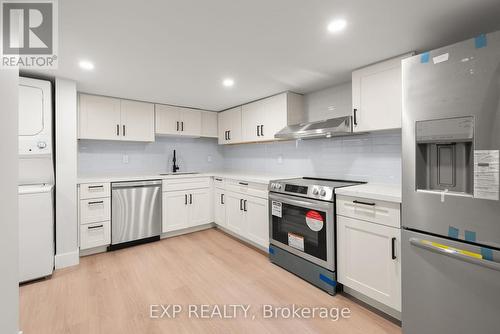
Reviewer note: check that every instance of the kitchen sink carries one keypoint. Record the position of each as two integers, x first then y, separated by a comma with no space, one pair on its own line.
179,173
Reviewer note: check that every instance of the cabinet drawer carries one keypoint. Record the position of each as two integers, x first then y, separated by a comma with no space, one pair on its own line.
247,188
380,212
186,183
95,235
218,182
94,190
95,210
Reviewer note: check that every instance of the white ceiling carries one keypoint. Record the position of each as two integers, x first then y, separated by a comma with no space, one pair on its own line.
178,51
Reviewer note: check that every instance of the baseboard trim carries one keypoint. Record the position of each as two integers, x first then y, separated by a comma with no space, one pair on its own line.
187,230
246,241
391,314
92,251
67,259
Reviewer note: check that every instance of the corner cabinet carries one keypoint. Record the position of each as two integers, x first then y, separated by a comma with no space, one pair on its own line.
377,96
260,120
108,118
369,249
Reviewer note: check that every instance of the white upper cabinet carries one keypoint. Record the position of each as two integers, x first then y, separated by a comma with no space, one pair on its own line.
230,126
108,118
179,121
262,119
209,124
138,120
99,117
167,119
377,96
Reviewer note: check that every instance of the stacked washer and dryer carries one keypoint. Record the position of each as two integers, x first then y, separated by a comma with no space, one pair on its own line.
36,180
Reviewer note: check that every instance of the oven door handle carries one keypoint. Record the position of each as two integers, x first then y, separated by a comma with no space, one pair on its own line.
313,204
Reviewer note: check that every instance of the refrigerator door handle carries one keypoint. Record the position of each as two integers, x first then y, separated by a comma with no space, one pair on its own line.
454,253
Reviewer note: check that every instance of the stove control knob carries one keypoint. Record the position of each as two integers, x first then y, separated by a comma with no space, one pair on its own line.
278,186
315,192
273,185
323,192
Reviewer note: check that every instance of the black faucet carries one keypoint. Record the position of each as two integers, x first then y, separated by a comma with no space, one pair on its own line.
175,168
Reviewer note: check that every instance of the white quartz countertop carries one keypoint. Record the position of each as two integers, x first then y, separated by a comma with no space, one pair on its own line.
381,192
248,177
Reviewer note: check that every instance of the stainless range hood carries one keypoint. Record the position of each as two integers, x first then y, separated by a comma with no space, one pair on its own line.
340,126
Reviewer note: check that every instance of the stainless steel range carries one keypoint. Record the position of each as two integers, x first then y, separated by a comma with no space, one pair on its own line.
302,228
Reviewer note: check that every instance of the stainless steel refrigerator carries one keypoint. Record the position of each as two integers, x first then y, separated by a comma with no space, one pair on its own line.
451,208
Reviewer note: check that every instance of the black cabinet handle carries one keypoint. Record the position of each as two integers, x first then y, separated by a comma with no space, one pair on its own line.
177,125
185,199
393,246
221,198
258,133
94,187
94,227
217,179
355,116
364,203
229,134
262,130
117,129
190,198
124,130
245,205
243,183
96,202
182,126
241,205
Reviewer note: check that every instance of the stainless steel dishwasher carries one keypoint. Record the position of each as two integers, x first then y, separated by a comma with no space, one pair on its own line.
135,212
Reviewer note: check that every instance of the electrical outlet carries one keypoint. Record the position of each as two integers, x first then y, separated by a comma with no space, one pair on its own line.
125,159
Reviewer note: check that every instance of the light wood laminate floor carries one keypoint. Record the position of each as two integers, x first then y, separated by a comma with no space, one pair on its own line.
112,292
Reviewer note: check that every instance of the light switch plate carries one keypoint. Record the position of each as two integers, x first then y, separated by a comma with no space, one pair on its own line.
125,159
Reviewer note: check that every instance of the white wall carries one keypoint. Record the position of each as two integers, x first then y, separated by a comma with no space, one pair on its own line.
9,278
67,253
193,154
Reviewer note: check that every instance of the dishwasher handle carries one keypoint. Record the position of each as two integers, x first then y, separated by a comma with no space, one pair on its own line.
135,184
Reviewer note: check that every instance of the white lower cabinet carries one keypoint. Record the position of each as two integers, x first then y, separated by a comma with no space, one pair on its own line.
257,220
175,211
185,208
94,215
95,235
369,259
219,207
234,212
248,217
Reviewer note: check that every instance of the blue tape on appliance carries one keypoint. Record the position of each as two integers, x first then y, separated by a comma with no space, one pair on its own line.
425,57
481,41
453,232
327,280
271,250
487,253
470,236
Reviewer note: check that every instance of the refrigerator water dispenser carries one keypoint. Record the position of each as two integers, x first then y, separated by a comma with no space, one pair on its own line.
444,155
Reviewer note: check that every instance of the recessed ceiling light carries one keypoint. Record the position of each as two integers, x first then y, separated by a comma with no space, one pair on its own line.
337,25
228,82
86,65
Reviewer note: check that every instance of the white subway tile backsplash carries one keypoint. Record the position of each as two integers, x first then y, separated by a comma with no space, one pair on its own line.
367,157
